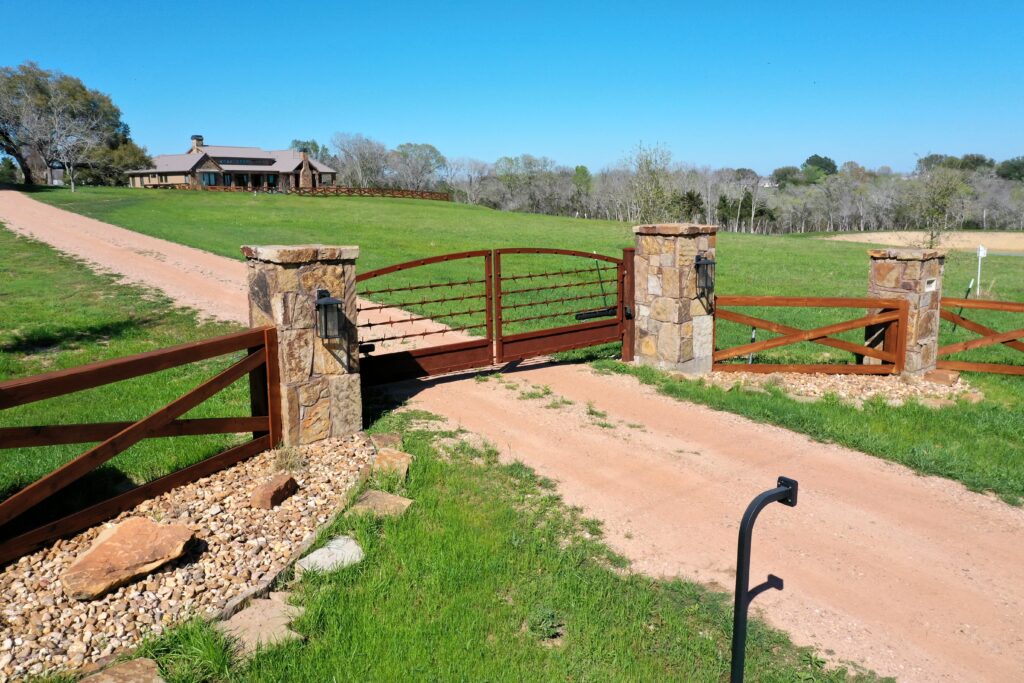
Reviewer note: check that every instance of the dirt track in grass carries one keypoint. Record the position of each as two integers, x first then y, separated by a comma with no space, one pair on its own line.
914,577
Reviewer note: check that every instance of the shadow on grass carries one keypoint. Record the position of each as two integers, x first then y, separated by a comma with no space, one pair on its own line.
56,339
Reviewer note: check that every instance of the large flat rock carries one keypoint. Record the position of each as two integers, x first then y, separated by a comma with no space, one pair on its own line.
135,671
379,503
392,460
340,552
263,622
123,552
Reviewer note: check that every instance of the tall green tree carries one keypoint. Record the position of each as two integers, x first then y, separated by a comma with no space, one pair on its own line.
1011,169
826,165
8,171
48,117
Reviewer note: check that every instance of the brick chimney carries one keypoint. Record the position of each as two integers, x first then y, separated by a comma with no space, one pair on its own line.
304,155
197,142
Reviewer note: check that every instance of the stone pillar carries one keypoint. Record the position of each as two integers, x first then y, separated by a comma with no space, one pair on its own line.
916,276
674,329
320,395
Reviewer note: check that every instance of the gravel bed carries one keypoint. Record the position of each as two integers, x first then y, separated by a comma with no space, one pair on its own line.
42,631
854,389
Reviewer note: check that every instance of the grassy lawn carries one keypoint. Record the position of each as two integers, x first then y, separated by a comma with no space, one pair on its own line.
56,313
982,446
489,577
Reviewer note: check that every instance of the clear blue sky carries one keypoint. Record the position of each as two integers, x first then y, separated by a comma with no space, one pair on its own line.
751,84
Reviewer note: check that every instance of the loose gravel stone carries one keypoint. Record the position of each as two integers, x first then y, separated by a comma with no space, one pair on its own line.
42,631
853,389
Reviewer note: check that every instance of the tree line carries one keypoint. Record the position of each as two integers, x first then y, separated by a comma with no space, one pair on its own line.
943,192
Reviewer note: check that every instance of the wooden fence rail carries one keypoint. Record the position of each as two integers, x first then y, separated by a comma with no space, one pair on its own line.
334,190
888,344
1013,339
260,364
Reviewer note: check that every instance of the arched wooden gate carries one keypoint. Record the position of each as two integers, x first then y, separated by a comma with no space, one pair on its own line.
479,308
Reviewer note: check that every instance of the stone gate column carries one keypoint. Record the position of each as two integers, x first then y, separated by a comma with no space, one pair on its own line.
320,395
674,328
916,276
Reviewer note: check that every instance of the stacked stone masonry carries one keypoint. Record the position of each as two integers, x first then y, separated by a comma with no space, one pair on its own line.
914,275
674,328
320,395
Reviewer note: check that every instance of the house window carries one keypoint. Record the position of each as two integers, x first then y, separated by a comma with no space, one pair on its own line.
208,178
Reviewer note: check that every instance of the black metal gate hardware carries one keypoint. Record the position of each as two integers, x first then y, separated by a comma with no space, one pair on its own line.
784,493
600,313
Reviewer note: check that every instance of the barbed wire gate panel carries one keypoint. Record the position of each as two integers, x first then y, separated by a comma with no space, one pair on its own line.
475,309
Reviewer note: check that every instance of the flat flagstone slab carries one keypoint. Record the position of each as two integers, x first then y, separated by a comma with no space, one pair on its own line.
340,552
387,440
379,503
135,671
263,622
392,460
123,552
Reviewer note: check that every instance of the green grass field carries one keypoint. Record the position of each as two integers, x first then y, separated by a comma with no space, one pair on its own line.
56,313
489,577
981,446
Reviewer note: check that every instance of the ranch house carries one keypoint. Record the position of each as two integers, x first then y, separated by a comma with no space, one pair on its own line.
250,168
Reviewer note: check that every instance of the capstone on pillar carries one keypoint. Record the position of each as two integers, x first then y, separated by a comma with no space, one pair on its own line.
320,394
916,276
674,326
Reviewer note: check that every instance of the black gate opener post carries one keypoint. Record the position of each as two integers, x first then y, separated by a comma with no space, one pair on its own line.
784,493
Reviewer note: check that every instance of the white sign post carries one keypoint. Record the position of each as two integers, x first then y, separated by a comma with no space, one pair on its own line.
982,253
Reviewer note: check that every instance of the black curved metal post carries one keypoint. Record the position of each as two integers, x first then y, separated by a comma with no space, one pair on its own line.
784,493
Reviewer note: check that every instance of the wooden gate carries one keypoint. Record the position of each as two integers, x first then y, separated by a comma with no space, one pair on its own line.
474,309
19,530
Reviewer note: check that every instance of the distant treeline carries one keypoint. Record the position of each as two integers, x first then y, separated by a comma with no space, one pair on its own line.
943,192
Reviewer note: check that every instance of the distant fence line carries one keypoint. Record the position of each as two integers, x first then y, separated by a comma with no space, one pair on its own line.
323,191
334,190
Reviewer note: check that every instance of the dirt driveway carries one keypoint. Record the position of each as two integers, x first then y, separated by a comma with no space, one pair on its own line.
914,577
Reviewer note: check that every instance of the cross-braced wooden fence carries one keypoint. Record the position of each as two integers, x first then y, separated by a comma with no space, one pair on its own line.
886,322
1012,339
264,421
338,191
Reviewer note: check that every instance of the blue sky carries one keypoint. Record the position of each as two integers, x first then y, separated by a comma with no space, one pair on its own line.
723,84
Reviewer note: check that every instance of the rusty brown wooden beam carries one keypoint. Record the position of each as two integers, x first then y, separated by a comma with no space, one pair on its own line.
55,435
989,340
822,368
38,387
982,304
968,366
978,329
807,302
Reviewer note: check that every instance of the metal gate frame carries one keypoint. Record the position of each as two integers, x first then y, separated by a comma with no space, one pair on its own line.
495,346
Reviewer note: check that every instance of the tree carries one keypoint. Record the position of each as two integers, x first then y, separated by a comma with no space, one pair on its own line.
650,196
8,172
1011,169
941,200
108,163
824,164
362,160
315,150
48,117
786,175
415,166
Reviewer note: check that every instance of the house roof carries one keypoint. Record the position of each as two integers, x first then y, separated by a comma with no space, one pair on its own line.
284,161
172,163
